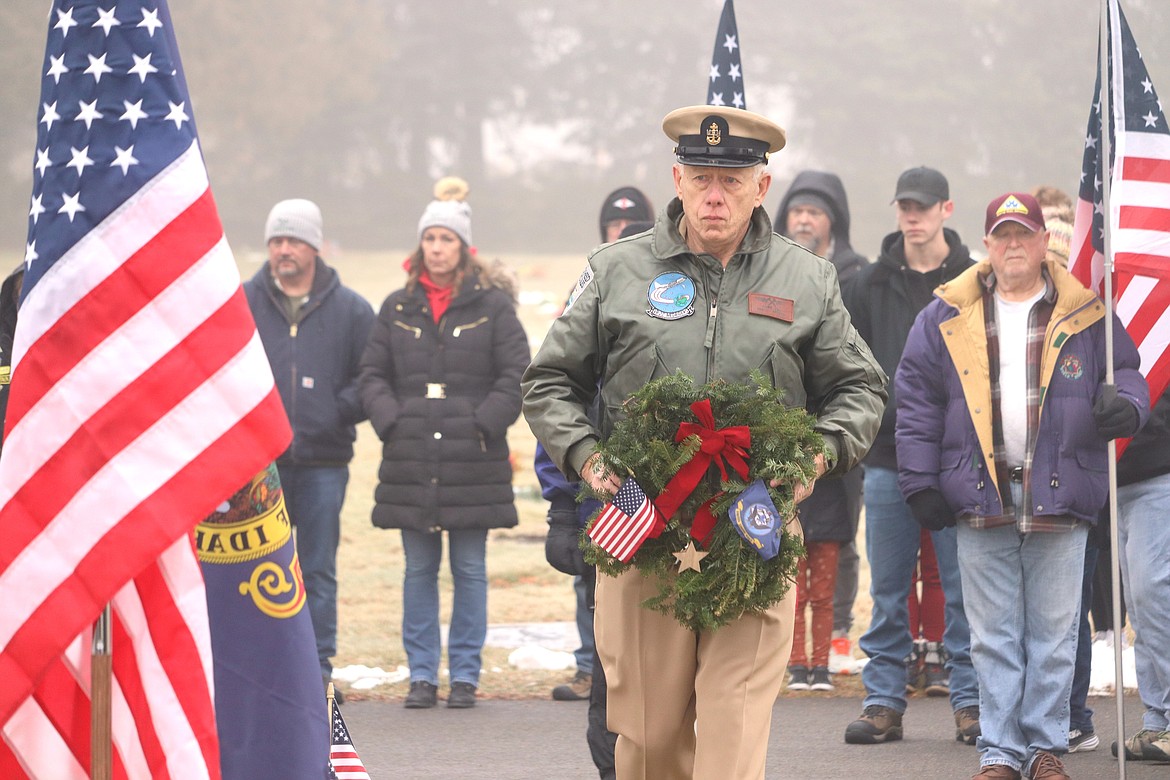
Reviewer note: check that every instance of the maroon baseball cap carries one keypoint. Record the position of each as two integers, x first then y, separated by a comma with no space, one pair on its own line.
1014,207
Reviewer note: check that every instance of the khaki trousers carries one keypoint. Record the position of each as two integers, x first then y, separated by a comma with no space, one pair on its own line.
685,704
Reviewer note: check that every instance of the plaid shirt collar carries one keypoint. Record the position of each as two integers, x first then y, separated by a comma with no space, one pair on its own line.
1038,320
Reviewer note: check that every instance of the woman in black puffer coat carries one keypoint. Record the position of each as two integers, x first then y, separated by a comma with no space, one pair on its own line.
440,381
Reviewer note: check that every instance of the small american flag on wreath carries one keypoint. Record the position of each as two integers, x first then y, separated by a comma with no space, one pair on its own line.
625,522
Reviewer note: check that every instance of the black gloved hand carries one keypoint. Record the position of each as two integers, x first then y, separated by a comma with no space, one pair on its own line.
562,548
1115,416
931,510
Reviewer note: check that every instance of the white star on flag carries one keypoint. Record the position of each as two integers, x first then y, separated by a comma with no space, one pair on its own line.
726,74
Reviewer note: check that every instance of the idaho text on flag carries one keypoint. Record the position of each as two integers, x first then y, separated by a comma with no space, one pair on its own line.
140,398
626,522
1139,203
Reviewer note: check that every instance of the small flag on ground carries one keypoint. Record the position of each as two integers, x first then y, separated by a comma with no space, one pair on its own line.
1139,204
726,87
626,522
343,757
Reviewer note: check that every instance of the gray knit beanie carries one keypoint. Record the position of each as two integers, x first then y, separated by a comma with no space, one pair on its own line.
448,209
295,218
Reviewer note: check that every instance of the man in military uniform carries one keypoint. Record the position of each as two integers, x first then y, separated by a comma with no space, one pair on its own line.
713,292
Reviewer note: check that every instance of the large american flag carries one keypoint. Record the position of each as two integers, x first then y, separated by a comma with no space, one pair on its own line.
726,77
140,399
1139,203
625,522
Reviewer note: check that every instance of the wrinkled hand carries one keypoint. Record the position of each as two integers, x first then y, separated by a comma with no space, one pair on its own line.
598,476
562,548
1116,417
931,510
803,490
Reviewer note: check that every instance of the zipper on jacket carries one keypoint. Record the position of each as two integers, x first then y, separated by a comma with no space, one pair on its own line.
292,330
709,339
460,328
416,331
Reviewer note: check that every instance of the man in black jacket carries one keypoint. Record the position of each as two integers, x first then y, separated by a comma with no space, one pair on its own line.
314,330
814,213
884,301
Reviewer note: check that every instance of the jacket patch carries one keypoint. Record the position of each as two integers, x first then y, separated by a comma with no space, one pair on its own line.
1072,367
582,282
783,309
671,296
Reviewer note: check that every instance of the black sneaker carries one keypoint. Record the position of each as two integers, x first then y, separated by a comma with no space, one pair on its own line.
876,724
462,696
422,695
967,728
798,678
820,679
576,689
1082,740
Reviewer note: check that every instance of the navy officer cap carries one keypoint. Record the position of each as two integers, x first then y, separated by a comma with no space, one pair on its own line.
722,136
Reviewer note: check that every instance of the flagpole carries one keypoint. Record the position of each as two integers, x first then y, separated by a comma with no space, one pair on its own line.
100,699
1110,389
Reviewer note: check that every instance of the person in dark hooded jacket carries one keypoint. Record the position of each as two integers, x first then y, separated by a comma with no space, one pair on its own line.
440,380
883,302
826,233
814,213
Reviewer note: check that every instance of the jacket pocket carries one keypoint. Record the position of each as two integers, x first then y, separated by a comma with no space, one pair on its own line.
632,376
458,330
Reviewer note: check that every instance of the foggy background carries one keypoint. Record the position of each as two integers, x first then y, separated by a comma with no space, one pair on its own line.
546,106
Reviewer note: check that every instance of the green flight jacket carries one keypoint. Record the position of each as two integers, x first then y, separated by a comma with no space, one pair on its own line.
632,318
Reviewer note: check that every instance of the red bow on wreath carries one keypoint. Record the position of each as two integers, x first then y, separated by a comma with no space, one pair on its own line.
725,446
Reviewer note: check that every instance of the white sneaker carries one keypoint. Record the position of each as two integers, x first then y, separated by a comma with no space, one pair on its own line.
841,660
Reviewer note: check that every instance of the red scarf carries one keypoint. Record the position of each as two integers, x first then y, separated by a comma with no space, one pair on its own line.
438,297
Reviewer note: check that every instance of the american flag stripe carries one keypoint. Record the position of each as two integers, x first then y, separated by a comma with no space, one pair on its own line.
103,249
124,489
155,733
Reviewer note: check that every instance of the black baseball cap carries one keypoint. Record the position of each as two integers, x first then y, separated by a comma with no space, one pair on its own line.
922,185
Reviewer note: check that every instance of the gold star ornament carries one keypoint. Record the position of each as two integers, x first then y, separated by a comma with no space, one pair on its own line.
690,558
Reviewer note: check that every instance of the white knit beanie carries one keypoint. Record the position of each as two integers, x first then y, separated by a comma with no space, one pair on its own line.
449,209
295,218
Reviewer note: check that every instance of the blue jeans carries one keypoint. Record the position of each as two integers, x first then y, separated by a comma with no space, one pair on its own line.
1080,714
1023,601
1143,538
313,496
420,604
891,540
584,653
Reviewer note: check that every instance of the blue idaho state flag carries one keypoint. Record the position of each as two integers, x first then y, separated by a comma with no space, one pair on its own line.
269,700
755,517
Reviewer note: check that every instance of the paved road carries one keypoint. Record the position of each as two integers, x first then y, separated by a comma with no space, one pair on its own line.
544,740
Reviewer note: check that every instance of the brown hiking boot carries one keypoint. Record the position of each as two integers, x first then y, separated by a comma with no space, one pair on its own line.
967,728
876,724
1000,771
1046,766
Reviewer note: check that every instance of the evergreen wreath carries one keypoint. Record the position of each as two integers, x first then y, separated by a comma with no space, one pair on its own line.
734,579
